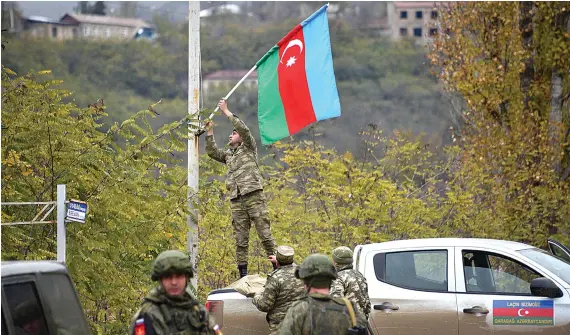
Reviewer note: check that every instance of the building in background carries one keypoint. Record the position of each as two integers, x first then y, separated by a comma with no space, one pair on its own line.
220,82
413,19
105,27
226,79
42,27
75,26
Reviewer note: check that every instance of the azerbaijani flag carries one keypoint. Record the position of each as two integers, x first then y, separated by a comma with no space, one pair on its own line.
523,312
296,83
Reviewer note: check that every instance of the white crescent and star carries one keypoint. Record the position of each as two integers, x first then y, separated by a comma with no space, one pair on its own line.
522,311
292,59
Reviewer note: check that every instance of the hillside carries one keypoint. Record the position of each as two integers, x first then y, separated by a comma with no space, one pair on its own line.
379,82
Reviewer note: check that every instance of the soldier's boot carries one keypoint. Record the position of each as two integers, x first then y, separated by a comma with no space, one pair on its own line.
242,268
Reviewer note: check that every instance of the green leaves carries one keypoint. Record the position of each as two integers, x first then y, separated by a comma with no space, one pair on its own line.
137,206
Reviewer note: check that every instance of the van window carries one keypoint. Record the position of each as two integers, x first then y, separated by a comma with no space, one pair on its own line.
27,312
61,297
424,270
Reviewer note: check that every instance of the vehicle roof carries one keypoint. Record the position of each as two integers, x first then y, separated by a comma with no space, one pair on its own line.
13,268
448,242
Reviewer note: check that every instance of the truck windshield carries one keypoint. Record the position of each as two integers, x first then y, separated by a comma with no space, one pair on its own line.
554,264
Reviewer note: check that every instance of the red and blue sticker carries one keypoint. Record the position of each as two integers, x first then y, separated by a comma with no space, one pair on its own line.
139,327
523,312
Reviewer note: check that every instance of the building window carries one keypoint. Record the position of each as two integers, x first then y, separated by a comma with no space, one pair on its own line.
107,32
432,31
433,14
54,32
419,14
86,31
403,31
75,33
125,32
418,32
403,14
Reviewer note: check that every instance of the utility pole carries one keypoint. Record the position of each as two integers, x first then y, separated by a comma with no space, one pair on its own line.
193,147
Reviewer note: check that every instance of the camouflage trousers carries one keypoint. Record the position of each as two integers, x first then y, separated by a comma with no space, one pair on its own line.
251,209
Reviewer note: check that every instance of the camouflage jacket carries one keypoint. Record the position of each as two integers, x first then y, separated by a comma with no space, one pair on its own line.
281,289
318,314
243,174
352,284
173,315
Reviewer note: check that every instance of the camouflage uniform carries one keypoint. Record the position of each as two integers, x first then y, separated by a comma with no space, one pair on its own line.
162,314
350,283
317,313
281,289
243,181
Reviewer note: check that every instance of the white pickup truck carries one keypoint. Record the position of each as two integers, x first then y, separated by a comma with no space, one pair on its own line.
456,286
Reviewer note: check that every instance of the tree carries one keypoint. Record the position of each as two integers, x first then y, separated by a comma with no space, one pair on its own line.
138,205
509,62
99,8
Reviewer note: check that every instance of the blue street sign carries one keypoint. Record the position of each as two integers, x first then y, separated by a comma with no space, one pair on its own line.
76,211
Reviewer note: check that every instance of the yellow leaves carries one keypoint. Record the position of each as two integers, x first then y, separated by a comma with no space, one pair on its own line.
8,71
12,159
44,72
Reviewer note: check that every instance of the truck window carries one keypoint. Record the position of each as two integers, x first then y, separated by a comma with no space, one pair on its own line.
27,313
4,329
424,270
492,273
62,300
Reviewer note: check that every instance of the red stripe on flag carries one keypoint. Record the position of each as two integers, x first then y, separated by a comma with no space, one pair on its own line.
293,85
524,312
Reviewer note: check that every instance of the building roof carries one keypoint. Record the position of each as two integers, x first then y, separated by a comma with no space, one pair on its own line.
107,20
230,75
416,4
42,19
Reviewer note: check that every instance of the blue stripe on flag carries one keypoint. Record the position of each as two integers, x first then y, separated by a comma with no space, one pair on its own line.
319,66
523,304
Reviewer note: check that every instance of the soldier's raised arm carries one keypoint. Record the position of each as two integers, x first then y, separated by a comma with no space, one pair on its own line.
239,126
211,148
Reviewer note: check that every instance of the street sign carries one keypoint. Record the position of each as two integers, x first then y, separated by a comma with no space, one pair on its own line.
76,211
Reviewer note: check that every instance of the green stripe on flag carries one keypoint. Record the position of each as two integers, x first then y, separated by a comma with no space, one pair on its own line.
270,111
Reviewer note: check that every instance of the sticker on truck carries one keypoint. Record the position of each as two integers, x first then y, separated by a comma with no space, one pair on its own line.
523,312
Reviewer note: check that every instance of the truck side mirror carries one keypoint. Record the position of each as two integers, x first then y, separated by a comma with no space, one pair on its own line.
544,287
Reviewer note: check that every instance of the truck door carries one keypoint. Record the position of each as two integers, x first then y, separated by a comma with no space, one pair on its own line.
558,249
494,296
412,291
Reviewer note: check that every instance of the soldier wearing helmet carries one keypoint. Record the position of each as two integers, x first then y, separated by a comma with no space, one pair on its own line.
281,289
350,283
171,308
29,317
318,312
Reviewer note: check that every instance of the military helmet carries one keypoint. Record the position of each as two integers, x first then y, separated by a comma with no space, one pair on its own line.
26,312
316,265
169,262
284,255
342,255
